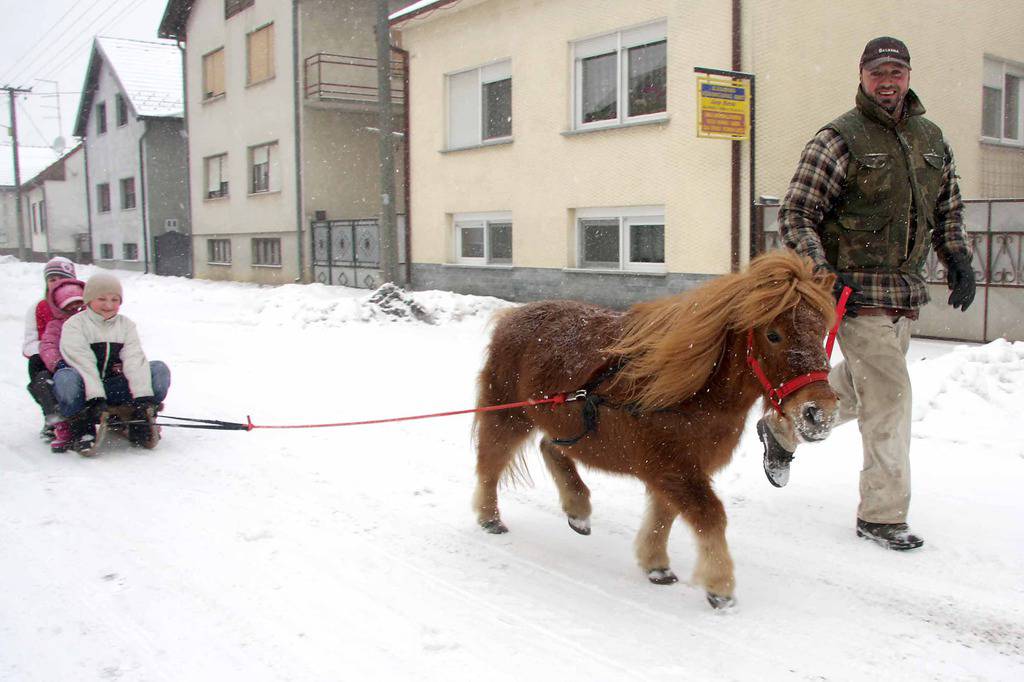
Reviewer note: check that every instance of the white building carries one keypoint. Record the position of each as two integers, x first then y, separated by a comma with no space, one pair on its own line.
283,144
131,119
55,217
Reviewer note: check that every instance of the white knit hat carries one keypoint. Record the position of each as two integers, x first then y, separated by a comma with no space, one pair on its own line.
102,283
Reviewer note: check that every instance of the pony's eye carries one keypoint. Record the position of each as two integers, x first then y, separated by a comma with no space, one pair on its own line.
774,336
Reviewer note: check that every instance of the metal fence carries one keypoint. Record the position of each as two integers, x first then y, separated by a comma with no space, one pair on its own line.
350,80
347,252
995,229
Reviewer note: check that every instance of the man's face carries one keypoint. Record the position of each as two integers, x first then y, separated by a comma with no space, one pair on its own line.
887,84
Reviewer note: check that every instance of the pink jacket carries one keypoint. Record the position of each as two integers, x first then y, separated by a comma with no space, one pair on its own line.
49,344
61,292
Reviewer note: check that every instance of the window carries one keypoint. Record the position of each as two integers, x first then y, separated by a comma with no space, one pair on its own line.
216,176
260,55
233,7
213,74
122,110
127,193
264,170
131,251
42,217
1002,113
629,238
483,238
266,252
480,105
35,217
219,251
103,198
106,252
620,77
101,118
171,224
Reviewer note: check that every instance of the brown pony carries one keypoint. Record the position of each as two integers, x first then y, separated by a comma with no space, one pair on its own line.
668,393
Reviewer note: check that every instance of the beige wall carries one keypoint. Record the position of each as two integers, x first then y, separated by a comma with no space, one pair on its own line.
543,175
804,54
245,116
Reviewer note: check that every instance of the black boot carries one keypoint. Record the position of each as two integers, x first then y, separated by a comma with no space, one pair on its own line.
776,457
889,535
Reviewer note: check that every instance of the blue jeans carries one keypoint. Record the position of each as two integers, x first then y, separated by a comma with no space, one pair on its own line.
69,388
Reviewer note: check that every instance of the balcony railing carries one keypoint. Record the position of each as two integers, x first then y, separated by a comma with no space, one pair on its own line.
350,83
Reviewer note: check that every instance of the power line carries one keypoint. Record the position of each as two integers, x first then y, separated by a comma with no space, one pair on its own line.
43,67
29,51
56,40
31,120
74,53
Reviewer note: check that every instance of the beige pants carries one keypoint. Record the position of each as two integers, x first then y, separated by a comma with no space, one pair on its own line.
874,388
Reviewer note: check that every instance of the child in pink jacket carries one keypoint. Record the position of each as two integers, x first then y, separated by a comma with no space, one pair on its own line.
40,385
64,299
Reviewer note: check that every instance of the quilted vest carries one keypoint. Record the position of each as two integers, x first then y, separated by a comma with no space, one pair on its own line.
882,221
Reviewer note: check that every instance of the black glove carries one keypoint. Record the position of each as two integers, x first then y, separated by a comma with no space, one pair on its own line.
960,278
146,402
95,407
856,299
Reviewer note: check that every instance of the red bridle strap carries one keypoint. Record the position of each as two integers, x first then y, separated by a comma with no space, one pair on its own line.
776,395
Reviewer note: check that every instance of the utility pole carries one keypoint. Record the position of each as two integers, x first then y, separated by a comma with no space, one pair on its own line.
388,222
12,93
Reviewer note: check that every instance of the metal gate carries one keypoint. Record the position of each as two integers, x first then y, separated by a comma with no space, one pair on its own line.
347,252
173,254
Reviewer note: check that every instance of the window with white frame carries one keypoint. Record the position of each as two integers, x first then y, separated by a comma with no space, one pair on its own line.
216,176
266,252
483,238
106,251
626,238
130,251
218,251
264,169
480,105
122,110
1002,104
127,193
621,77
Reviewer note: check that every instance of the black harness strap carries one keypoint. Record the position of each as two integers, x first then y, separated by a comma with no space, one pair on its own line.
591,401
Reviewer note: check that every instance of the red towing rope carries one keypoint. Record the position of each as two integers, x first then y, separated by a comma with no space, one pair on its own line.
775,395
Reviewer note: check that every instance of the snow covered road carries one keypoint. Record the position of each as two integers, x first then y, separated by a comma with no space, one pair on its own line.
351,554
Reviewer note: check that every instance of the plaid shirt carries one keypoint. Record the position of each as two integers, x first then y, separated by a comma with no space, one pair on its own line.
815,190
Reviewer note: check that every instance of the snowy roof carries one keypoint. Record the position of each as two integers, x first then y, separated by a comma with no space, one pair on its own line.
147,71
418,8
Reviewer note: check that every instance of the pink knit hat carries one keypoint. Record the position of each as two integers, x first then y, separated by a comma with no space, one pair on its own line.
60,266
64,292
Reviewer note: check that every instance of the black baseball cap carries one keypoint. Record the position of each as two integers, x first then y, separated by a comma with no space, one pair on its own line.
884,49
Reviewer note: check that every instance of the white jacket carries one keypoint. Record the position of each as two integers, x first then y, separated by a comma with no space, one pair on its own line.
30,346
95,347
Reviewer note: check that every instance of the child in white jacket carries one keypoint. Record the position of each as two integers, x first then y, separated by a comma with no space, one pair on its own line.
106,363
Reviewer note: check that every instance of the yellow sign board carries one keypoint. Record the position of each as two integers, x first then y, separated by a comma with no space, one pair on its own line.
723,108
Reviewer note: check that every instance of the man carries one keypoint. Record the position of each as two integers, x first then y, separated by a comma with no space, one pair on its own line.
872,190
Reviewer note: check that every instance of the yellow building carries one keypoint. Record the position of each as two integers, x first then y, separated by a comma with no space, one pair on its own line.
553,143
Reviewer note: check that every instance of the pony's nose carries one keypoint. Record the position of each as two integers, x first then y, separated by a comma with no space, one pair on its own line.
814,415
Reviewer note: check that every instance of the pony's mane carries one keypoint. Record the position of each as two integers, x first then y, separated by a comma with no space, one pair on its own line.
670,346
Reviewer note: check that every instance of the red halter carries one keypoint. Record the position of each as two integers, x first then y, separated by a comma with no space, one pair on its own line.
776,395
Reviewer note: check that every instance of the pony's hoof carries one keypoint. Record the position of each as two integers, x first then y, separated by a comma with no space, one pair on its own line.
662,576
720,602
581,526
494,527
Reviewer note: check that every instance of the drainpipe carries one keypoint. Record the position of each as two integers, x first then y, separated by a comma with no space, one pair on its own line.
141,192
44,221
88,195
406,191
297,125
188,159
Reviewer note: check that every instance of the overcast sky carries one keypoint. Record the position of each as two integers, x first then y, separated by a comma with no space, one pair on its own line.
45,45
